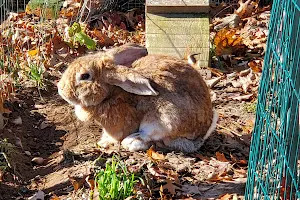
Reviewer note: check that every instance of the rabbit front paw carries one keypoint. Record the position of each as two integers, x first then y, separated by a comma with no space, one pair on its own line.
106,140
136,142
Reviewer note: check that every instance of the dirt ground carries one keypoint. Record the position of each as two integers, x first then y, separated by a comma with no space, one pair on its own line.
50,130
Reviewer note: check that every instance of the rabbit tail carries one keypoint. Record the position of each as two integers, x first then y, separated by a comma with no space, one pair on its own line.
189,146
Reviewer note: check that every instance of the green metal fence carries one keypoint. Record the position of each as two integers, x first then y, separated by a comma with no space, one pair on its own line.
274,163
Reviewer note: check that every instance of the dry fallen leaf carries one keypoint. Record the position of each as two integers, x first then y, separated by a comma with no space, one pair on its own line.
213,96
221,157
204,158
77,182
285,189
216,8
243,162
156,172
6,90
234,197
33,52
161,193
248,127
227,41
256,65
243,97
219,178
2,109
70,8
170,187
91,182
241,173
154,155
235,160
54,197
225,196
220,172
103,39
247,80
246,8
75,185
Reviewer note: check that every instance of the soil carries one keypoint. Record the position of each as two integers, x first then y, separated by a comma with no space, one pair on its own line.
50,130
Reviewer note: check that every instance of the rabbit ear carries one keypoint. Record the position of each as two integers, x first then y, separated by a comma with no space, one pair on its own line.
127,54
130,81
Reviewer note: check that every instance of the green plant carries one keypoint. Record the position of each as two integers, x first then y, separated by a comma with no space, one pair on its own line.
36,74
77,35
251,107
115,182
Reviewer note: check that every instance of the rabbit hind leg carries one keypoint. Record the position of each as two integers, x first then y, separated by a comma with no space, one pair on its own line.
141,140
186,145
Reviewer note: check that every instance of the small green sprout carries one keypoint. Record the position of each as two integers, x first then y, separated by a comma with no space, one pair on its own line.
115,182
77,35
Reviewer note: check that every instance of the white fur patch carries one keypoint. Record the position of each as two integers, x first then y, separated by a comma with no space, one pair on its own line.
153,131
81,114
212,126
135,142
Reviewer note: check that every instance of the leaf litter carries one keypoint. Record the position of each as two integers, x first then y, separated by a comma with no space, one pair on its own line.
219,169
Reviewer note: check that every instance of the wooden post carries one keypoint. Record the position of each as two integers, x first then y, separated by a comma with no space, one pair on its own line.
178,28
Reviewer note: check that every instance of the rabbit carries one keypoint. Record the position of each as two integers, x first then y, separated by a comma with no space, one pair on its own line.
140,99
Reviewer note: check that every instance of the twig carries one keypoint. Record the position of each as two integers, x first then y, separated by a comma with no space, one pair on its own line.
211,83
225,9
235,133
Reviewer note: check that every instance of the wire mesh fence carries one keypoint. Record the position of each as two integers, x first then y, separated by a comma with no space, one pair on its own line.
274,165
102,5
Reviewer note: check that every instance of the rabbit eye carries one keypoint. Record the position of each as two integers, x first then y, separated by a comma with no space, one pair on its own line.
85,76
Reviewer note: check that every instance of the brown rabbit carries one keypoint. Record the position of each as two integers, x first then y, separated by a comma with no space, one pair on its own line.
153,99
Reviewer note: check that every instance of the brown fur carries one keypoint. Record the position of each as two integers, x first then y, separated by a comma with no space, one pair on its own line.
181,86
182,106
